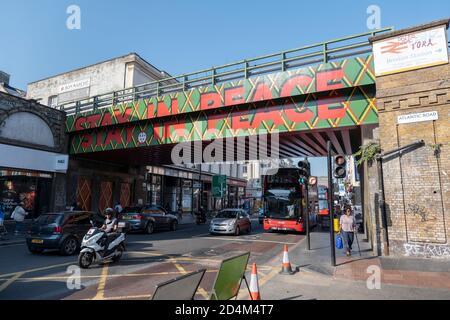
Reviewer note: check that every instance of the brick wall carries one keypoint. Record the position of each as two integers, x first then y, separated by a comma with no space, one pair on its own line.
417,183
55,119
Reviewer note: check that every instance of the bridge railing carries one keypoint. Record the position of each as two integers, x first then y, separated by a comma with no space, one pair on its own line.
322,52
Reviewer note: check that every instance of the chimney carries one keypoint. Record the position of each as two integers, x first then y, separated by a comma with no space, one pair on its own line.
4,77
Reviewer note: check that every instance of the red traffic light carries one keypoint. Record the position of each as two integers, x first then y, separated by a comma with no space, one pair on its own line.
339,160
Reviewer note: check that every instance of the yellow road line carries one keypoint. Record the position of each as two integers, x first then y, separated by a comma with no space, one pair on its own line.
143,296
59,278
201,291
101,284
272,274
10,281
37,269
261,282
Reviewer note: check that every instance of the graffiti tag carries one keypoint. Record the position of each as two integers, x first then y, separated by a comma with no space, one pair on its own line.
417,210
427,250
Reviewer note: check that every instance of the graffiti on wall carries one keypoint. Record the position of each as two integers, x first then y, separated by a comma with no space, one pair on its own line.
427,250
418,210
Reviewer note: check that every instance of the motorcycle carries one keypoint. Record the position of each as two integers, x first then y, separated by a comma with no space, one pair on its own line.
93,247
200,218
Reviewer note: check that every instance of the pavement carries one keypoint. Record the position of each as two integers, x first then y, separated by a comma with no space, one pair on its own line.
354,278
10,238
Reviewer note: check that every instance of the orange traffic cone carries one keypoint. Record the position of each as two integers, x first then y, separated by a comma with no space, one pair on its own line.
254,286
286,265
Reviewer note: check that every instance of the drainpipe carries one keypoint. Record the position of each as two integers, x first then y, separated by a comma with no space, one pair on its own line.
382,206
382,202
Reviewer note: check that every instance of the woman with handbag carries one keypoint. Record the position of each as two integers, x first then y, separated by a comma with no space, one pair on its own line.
347,225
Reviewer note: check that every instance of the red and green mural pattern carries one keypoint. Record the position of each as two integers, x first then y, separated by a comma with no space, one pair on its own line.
329,95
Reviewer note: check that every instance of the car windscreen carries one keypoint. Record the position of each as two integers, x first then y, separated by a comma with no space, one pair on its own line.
323,204
131,210
283,203
49,219
228,214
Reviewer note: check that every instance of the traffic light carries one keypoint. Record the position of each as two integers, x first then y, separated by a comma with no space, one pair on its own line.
339,167
304,170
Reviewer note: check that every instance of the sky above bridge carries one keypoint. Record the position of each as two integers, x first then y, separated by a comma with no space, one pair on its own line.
182,36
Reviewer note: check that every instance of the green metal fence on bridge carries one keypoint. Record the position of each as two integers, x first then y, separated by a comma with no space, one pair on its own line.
322,52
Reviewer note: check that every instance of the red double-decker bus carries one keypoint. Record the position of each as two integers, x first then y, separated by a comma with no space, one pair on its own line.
322,195
284,201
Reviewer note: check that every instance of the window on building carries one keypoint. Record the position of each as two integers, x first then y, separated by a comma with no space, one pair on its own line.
53,101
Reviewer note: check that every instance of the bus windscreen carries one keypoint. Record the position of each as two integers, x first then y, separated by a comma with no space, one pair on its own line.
282,203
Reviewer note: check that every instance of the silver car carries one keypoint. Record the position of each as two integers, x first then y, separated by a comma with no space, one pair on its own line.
231,221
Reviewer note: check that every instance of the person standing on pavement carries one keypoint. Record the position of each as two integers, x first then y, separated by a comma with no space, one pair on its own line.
19,215
348,228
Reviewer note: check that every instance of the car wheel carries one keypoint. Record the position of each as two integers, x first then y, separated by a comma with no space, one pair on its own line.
249,230
149,228
174,225
35,250
69,246
237,231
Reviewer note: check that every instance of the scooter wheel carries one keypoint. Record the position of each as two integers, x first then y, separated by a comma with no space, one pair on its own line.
120,251
85,259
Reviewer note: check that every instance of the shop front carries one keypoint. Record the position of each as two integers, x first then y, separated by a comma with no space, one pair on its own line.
33,189
30,177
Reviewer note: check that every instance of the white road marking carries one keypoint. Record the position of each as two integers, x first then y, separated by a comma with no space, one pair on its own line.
10,281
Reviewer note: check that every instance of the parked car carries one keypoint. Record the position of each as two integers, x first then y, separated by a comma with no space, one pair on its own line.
61,231
231,221
147,219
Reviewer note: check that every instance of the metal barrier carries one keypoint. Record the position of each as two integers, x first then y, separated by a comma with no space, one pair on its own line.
229,278
322,52
181,288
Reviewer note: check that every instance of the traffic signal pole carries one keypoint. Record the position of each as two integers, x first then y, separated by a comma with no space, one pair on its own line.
308,237
330,204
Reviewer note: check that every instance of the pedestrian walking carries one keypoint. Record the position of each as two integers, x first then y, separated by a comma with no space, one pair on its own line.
3,230
19,215
180,212
348,228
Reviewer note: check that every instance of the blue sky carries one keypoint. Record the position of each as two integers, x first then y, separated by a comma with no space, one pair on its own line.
181,36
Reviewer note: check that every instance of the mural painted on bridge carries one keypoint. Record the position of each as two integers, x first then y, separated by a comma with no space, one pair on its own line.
325,96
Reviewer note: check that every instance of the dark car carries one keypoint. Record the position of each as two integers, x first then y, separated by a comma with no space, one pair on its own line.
147,219
61,231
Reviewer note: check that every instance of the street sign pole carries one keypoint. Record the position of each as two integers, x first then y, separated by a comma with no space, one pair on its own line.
330,204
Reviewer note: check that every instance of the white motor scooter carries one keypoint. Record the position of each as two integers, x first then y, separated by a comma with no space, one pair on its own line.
93,247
